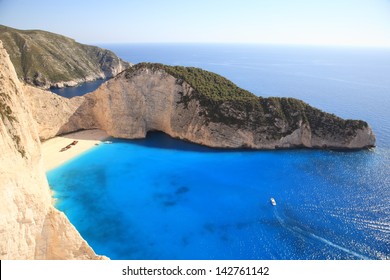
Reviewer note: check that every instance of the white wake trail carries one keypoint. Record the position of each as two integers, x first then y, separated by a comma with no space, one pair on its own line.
299,231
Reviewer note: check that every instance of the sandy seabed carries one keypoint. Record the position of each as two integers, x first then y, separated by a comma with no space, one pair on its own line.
86,139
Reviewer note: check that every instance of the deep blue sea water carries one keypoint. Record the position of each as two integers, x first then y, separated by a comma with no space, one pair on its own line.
79,90
161,198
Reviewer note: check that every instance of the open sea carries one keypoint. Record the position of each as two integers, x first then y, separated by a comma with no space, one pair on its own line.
161,198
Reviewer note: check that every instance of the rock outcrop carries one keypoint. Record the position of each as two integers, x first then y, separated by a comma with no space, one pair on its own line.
56,115
197,106
204,108
45,59
30,227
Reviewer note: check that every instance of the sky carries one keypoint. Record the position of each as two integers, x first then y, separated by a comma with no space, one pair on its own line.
303,22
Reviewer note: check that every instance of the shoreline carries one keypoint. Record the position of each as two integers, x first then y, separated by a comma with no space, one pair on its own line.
86,140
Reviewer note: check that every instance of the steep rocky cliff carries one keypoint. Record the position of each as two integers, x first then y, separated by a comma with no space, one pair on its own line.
198,106
56,115
205,108
46,59
30,227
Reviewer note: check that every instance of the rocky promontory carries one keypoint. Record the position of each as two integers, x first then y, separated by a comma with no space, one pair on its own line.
197,106
45,59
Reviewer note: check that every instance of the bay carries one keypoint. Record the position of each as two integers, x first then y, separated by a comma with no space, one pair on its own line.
160,198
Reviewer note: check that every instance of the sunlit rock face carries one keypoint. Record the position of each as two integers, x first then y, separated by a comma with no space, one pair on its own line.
30,227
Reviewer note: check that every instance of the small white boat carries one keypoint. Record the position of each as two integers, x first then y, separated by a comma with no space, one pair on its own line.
107,142
273,201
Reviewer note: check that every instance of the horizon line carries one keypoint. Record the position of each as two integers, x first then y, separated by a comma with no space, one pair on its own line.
289,44
242,43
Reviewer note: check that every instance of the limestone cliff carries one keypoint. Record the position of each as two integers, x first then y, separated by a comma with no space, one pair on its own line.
56,115
204,108
46,59
30,227
198,106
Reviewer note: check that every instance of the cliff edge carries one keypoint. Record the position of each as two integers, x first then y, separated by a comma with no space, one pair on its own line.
45,59
30,227
205,108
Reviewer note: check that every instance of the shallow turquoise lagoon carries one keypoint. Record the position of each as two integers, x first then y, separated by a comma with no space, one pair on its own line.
161,198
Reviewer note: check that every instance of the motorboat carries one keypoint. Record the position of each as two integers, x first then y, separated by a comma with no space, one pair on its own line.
273,201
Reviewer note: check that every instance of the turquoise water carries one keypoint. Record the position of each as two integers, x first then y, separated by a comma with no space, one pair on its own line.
160,198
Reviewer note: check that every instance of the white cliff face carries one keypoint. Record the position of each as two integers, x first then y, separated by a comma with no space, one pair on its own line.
30,227
134,103
131,108
150,101
56,115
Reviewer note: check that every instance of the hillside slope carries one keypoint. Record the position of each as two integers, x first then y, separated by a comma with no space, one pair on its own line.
46,59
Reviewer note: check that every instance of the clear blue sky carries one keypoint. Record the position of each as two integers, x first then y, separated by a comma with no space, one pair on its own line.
321,22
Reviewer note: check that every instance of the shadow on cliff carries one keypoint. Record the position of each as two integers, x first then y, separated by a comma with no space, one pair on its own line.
81,119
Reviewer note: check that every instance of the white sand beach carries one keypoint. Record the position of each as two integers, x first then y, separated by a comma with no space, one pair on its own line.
86,139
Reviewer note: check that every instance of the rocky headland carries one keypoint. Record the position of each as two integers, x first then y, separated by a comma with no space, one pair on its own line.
45,59
197,106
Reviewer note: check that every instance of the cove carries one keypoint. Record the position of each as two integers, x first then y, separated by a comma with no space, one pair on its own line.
162,198
79,90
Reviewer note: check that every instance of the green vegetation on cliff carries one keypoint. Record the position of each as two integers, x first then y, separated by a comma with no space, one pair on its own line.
210,85
224,102
43,59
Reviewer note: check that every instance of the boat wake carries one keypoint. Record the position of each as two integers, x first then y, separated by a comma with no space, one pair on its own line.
304,233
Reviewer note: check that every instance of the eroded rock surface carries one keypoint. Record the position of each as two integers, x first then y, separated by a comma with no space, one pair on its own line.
30,227
152,97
